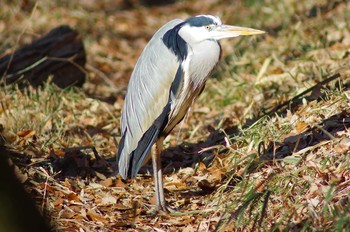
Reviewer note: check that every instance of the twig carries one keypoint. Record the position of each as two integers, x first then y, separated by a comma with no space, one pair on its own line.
42,60
104,77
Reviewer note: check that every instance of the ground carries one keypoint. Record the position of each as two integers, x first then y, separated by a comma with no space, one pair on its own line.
265,147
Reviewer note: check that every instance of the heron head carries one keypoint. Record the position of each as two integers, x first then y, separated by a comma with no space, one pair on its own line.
208,27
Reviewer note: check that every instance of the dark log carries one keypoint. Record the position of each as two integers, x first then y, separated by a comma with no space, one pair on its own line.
59,54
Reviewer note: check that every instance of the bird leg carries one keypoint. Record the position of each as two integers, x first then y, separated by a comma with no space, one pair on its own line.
158,177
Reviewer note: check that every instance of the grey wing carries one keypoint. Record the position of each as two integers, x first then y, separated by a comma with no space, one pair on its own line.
147,102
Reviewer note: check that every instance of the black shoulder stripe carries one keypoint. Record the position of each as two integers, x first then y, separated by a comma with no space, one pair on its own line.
175,43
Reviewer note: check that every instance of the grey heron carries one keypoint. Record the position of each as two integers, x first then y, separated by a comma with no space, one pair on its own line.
169,75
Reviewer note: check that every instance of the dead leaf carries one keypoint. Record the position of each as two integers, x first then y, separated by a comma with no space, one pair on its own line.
189,228
215,175
26,133
108,199
343,146
58,202
67,214
120,183
314,202
67,184
83,213
93,216
201,166
301,126
173,182
176,185
73,197
184,173
107,182
100,175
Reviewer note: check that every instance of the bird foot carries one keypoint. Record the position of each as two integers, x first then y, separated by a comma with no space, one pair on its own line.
165,208
162,209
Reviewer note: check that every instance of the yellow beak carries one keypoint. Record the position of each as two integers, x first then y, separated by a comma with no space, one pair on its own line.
228,31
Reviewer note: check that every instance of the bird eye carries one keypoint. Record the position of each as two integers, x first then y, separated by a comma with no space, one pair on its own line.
208,27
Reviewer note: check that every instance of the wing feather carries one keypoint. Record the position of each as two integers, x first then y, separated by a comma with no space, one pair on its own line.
147,102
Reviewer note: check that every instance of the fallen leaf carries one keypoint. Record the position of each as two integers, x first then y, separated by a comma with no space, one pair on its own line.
120,183
83,213
201,166
184,173
100,175
301,126
93,216
215,175
72,197
189,228
343,146
108,199
26,133
67,214
107,182
314,202
176,185
58,202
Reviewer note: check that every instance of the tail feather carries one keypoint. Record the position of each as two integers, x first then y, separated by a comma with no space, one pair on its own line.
129,164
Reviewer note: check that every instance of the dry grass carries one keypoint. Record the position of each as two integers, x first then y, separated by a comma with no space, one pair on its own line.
235,163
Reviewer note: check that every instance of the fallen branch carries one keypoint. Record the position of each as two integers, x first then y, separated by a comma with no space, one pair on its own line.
59,54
